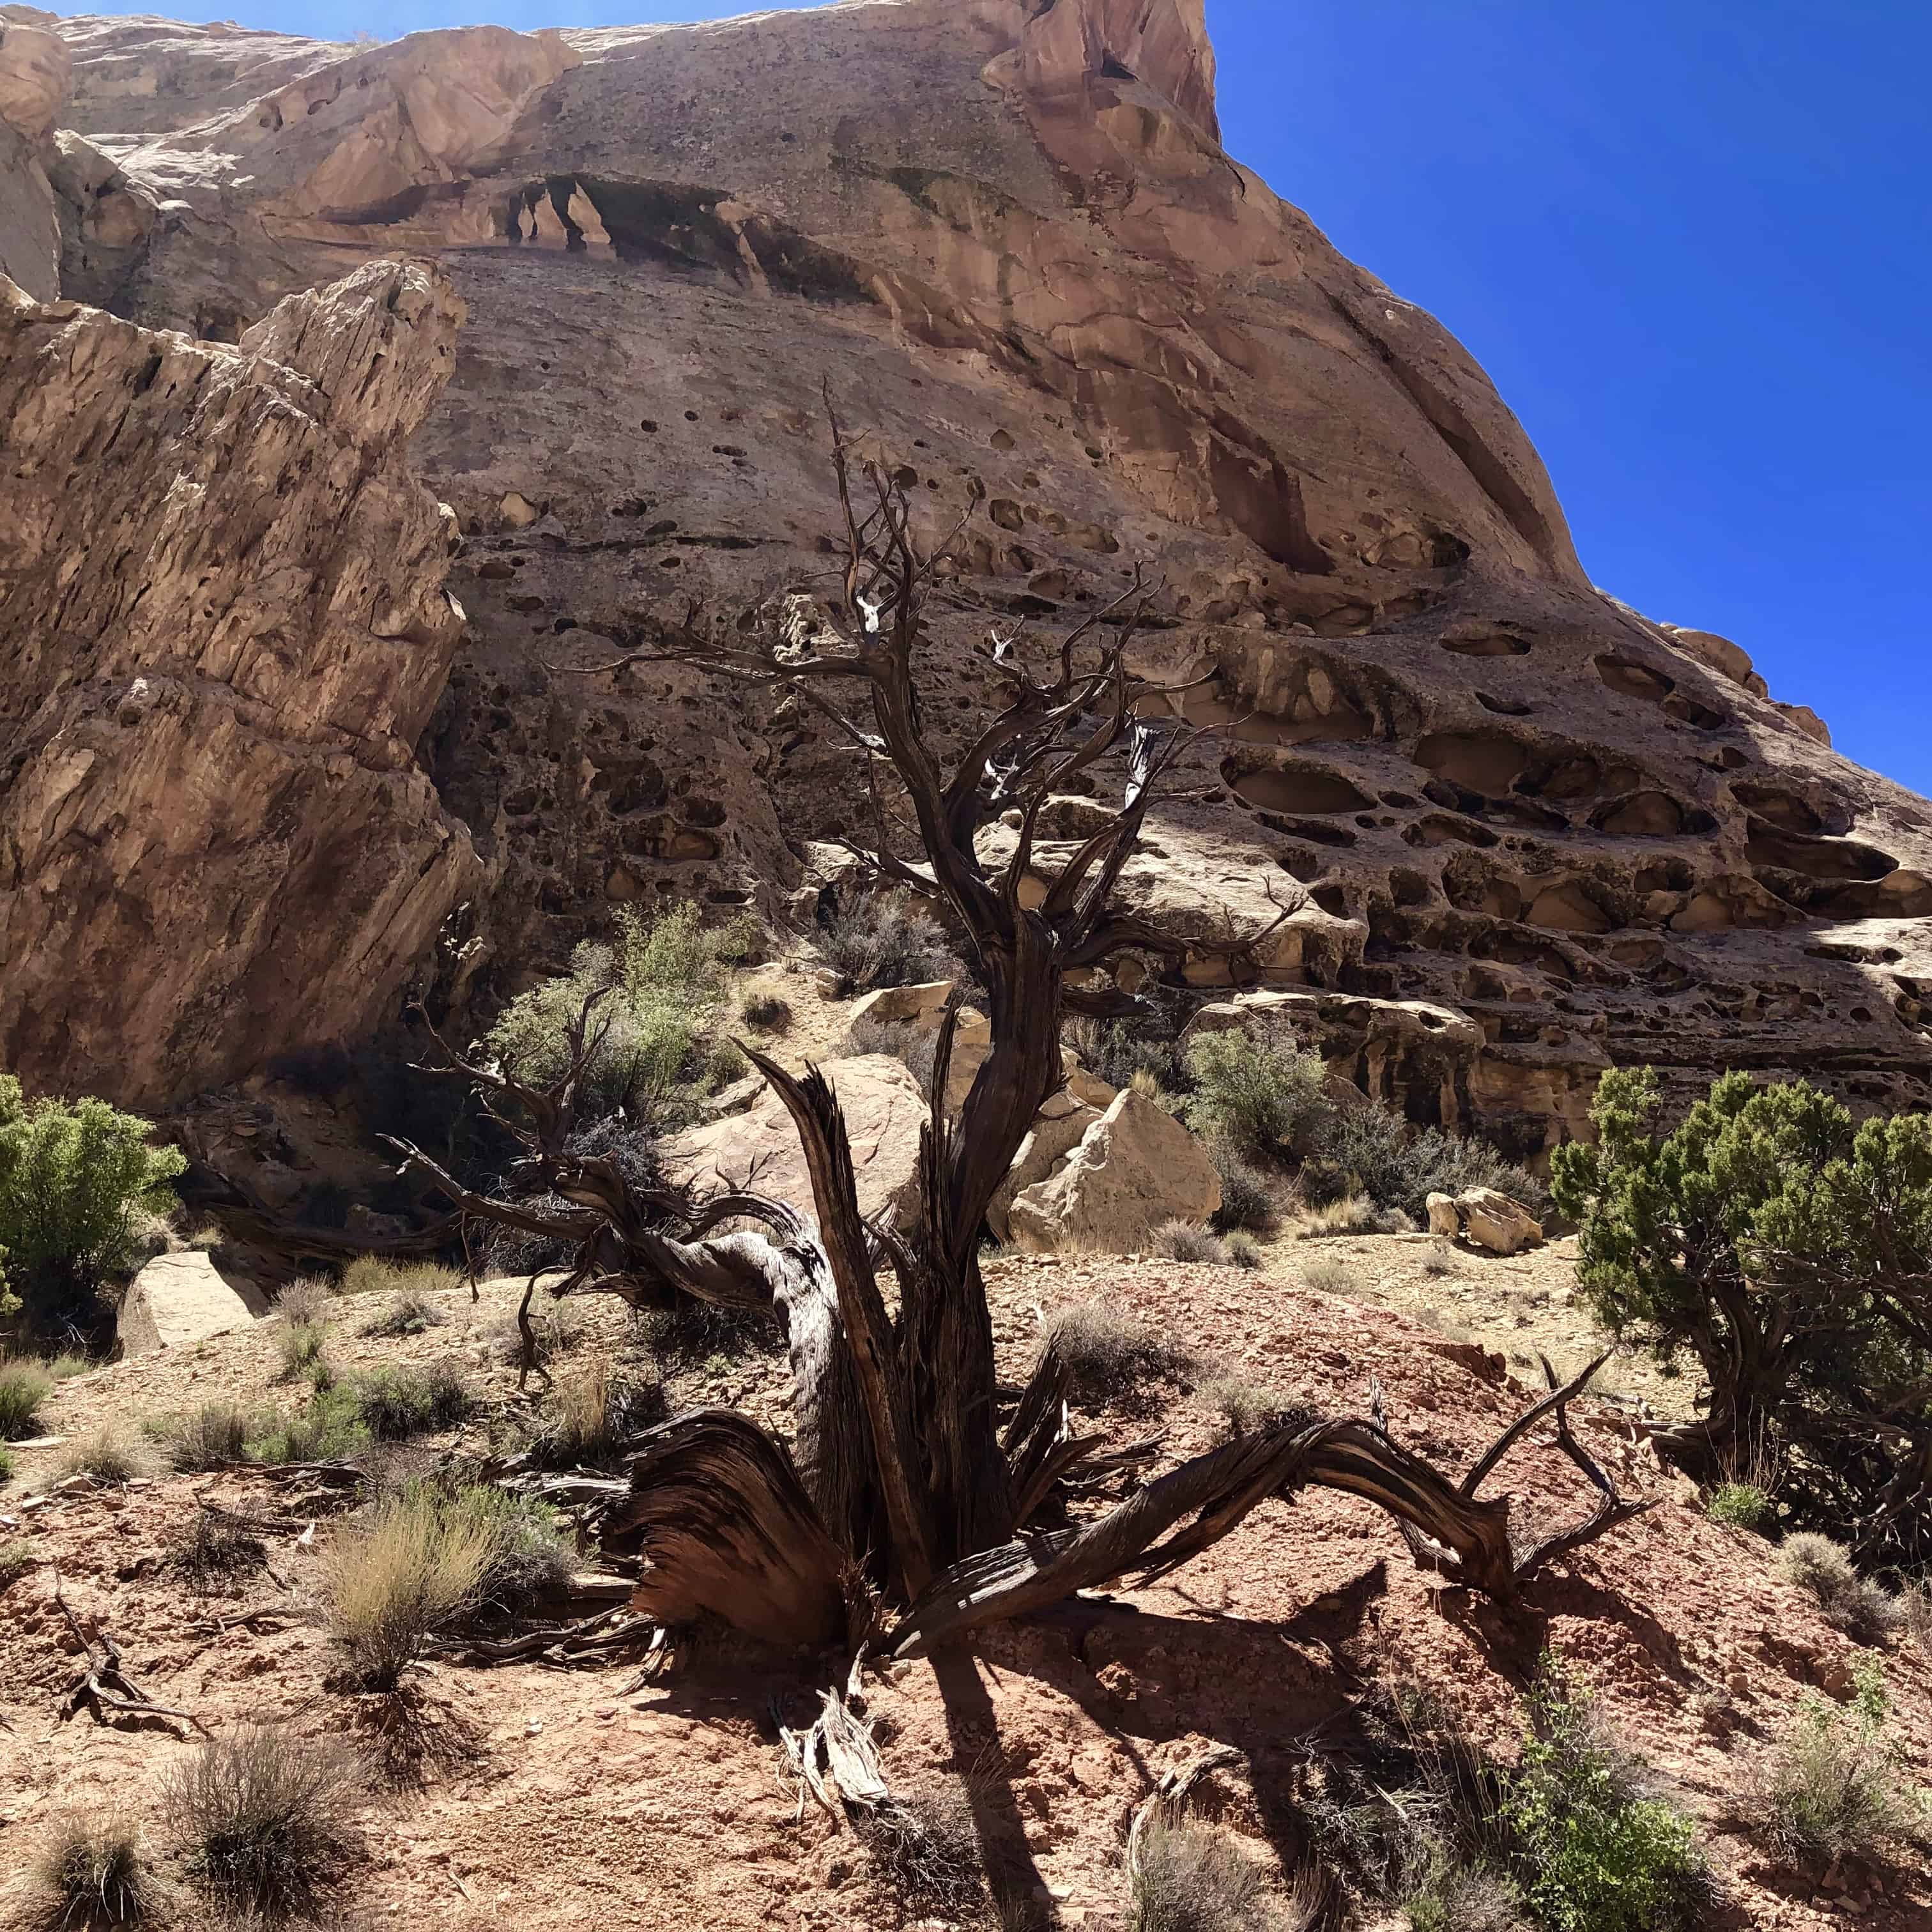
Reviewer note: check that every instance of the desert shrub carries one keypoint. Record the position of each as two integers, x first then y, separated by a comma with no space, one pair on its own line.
767,1013
598,1414
878,941
66,1366
1241,1250
308,1298
7,1465
1182,1241
24,1386
374,1274
1741,1506
74,1175
1188,1878
398,1403
665,982
1247,1202
1108,1353
91,1872
263,1821
916,1047
1449,1896
1785,1247
1255,1099
412,1312
1120,1055
1245,1406
1327,1275
16,1559
329,1428
213,1437
216,1550
630,1145
300,1345
107,1456
1440,1260
1832,1786
1596,1851
1366,1149
1860,1605
926,1848
428,1561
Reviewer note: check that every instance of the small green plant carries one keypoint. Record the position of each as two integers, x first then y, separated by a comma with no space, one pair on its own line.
1741,1506
1109,1354
74,1176
1241,1250
328,1428
109,1457
66,1366
301,1345
263,1819
16,1559
92,1874
1598,1853
397,1404
1450,1896
7,1465
1182,1241
1860,1605
1256,1100
1188,1878
24,1386
411,1312
215,1437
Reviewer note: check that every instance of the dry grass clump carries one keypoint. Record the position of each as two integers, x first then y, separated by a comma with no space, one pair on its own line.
768,1013
67,1365
108,1456
1354,1214
91,1872
1241,1250
6,1465
1189,1878
397,1404
412,1312
218,1551
1182,1241
1328,1276
1247,1200
1108,1353
429,1560
308,1298
24,1386
1440,1260
598,1415
215,1437
1245,1406
926,1848
263,1819
370,1274
300,1345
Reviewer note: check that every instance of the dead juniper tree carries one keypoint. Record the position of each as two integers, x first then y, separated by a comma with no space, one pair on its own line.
900,1482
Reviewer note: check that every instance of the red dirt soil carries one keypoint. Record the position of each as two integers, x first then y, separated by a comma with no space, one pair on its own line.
557,1801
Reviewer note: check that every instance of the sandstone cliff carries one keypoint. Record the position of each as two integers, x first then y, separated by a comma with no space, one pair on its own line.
222,627
1009,237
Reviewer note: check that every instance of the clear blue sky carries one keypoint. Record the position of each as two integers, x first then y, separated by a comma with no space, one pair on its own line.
1689,240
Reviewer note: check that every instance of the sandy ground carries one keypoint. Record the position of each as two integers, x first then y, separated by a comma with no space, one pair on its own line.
568,1799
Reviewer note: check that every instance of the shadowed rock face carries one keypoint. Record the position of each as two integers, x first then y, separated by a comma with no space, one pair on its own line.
223,627
1007,236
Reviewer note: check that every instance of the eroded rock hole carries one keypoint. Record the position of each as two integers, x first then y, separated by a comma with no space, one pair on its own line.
1295,788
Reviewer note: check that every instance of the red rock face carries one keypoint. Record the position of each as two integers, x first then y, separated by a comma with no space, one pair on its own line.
1008,238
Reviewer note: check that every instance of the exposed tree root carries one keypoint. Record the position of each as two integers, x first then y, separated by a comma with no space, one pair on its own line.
103,1688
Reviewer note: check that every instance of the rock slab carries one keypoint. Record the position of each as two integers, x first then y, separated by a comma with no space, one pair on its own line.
180,1299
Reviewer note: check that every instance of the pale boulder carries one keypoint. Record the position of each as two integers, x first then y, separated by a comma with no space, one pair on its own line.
1136,1167
178,1300
884,1111
919,1007
1492,1220
1059,1127
1444,1217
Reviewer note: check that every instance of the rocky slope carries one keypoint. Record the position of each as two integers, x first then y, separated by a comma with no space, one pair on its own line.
1007,236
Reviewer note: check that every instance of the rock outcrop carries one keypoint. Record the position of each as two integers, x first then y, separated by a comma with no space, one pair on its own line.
1009,238
1134,1167
223,628
177,1299
35,69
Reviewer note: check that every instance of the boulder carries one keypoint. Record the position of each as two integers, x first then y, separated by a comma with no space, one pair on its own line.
1060,1127
884,1111
1444,1217
180,1299
918,1006
1136,1167
1492,1220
